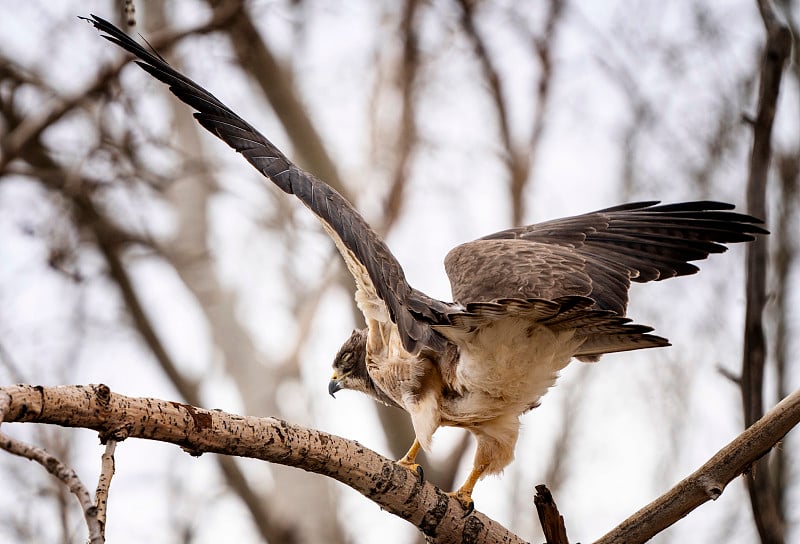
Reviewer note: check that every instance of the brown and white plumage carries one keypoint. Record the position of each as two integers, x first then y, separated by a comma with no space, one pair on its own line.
526,300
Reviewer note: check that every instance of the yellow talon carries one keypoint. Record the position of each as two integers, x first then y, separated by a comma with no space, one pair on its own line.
465,500
409,461
464,493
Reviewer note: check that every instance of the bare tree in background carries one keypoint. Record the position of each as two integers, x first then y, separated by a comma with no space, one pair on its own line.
93,206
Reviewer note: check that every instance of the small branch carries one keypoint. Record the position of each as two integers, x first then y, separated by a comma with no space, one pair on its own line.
55,467
199,431
103,484
64,473
729,375
708,482
552,521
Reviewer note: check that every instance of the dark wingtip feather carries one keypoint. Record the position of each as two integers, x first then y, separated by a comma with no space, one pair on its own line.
631,206
694,206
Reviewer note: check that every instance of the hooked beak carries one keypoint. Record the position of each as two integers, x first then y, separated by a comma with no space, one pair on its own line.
333,387
336,382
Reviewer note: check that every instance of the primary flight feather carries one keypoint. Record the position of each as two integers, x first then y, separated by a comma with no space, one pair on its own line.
526,300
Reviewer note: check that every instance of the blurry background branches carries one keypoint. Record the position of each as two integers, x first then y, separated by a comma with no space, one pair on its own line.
139,252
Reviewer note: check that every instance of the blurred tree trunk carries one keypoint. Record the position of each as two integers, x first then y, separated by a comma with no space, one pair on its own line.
777,49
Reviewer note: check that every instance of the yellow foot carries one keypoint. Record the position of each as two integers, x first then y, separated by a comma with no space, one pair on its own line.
413,467
465,499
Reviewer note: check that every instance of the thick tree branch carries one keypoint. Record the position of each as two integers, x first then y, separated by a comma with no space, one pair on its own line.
776,51
199,431
708,482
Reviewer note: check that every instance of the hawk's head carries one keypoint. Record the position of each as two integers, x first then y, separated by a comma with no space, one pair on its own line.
350,366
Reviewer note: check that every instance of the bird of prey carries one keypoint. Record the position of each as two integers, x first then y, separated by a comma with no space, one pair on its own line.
526,300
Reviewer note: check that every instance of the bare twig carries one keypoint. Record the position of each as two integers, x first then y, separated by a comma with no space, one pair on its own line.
551,519
104,483
55,467
777,50
708,482
64,473
396,489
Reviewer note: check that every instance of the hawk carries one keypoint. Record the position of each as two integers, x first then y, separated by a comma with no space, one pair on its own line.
526,300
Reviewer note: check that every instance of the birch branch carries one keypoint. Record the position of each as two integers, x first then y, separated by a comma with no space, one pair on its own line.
104,483
116,417
708,482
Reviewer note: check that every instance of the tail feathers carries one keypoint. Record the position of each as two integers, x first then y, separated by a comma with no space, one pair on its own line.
602,331
599,344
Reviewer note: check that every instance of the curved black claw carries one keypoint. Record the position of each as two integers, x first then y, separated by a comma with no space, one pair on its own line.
470,508
415,468
420,474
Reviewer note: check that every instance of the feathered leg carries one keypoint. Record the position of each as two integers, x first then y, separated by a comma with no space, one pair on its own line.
496,440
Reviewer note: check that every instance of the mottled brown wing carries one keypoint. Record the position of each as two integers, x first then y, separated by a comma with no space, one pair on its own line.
486,270
383,292
596,254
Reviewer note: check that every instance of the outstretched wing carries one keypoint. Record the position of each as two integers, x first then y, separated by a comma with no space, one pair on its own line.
574,273
597,254
382,290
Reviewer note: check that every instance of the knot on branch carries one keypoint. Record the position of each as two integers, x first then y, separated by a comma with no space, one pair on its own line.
102,393
118,433
712,487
